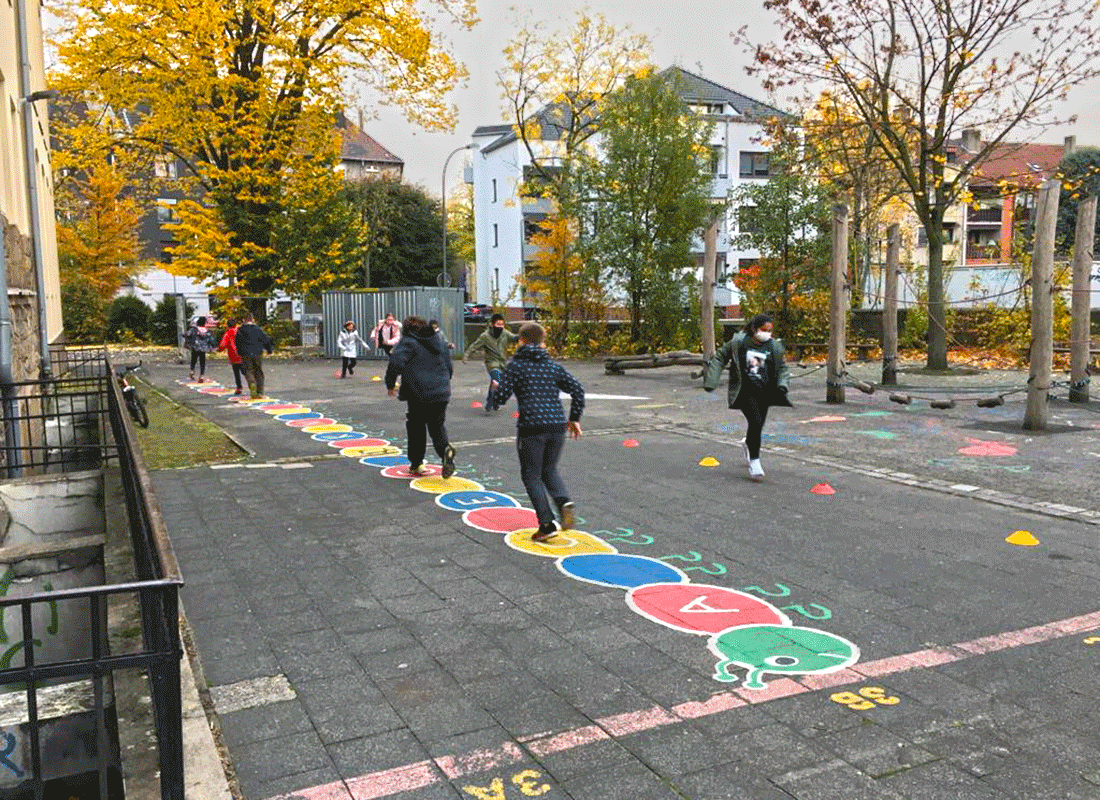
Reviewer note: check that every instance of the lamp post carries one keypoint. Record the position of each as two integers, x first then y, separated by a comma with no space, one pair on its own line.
443,196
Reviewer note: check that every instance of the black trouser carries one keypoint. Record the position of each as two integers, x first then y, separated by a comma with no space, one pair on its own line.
423,420
349,366
386,348
538,467
254,374
238,371
755,409
198,357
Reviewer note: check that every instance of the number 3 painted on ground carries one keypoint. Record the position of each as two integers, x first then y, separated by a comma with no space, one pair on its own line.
529,783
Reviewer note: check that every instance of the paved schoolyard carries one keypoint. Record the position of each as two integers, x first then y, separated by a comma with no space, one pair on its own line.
365,638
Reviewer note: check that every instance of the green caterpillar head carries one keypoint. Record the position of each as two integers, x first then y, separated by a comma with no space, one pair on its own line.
787,649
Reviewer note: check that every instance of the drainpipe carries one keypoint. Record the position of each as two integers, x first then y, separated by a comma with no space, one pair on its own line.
29,98
7,390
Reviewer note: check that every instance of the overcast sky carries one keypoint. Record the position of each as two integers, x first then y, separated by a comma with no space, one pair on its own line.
694,35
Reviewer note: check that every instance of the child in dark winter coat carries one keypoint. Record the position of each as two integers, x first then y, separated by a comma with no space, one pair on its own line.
199,341
536,380
424,364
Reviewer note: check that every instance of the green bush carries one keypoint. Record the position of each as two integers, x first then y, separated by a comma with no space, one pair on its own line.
284,332
162,325
83,313
128,320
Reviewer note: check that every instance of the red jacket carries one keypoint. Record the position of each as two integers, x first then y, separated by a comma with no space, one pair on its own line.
229,342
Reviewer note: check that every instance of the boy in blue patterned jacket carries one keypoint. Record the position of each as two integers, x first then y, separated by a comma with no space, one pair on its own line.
535,379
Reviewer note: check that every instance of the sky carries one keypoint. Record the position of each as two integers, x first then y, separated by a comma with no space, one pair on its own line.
695,35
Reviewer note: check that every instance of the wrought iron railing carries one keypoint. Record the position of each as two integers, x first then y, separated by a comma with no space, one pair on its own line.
89,663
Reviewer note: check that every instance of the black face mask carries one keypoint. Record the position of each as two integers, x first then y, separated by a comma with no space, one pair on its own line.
495,332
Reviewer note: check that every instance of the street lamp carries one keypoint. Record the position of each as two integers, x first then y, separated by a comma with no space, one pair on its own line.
474,147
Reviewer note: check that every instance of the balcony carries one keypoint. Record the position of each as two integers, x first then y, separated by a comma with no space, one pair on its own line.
990,215
983,252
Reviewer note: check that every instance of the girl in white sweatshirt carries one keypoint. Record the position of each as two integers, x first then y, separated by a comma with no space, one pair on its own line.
348,343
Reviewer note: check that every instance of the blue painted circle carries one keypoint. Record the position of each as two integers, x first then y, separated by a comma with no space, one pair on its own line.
299,415
619,570
269,403
467,500
333,436
384,461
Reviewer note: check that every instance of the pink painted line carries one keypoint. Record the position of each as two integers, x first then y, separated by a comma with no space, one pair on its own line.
393,781
780,687
480,760
567,740
715,704
330,791
635,721
830,679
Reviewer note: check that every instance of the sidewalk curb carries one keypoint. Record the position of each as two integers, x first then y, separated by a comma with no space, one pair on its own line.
1060,511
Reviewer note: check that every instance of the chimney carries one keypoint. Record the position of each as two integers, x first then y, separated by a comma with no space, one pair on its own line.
1070,145
971,140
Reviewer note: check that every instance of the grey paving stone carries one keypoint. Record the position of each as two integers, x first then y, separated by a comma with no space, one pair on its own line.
940,781
279,626
382,640
291,783
266,761
269,721
445,718
812,715
397,662
875,750
347,707
300,667
378,752
625,782
542,713
834,781
728,782
775,750
678,749
233,667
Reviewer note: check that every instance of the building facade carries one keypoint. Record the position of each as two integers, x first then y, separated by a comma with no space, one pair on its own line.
505,219
28,245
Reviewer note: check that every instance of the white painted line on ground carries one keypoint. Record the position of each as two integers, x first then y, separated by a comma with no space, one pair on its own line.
251,693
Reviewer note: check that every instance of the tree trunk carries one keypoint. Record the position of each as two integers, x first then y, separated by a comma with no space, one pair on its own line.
937,318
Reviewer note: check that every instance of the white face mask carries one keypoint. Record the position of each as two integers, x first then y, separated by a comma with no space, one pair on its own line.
763,336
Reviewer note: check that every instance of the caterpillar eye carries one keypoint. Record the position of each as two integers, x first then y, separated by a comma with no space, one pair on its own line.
781,661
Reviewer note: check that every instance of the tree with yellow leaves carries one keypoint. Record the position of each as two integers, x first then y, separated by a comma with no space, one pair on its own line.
244,94
918,72
555,85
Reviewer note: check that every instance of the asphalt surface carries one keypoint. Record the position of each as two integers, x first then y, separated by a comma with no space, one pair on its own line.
361,641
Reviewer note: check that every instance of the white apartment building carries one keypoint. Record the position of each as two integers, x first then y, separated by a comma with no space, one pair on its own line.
503,218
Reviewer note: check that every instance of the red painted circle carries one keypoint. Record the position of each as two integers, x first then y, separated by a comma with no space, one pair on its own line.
699,608
402,471
340,444
501,520
305,423
475,404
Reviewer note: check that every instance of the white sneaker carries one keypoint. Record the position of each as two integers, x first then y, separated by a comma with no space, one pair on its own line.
745,450
756,469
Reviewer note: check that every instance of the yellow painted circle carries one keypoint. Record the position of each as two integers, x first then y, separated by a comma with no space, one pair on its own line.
338,427
565,543
438,485
371,450
292,410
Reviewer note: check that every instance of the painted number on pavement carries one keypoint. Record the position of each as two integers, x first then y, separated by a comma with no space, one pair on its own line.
866,698
529,782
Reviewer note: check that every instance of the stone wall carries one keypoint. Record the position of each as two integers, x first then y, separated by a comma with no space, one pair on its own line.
22,301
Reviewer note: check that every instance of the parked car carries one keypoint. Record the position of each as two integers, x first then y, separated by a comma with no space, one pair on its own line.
476,312
533,313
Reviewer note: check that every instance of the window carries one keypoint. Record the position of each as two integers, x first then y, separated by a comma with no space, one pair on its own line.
717,160
494,190
754,165
496,235
531,229
948,235
165,167
748,219
166,209
707,108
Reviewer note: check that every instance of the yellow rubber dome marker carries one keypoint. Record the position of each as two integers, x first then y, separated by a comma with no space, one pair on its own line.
709,461
1022,538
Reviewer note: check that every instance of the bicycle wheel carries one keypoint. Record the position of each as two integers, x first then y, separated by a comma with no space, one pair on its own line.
136,404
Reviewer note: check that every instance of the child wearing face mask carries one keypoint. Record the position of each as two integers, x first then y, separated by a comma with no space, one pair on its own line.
759,379
493,342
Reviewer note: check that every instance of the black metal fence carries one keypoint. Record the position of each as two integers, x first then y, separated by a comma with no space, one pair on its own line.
155,649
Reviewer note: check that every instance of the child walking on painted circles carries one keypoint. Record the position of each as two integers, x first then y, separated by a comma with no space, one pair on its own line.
229,345
199,341
535,379
759,379
424,365
348,343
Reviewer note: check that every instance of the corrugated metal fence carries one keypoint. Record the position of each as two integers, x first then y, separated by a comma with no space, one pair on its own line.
366,306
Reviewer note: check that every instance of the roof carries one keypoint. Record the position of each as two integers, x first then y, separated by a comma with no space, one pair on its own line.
693,88
1026,163
357,145
696,88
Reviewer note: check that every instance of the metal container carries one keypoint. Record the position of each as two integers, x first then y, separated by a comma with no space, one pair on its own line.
365,307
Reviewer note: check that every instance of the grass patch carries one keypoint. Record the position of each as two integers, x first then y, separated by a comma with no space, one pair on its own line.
177,436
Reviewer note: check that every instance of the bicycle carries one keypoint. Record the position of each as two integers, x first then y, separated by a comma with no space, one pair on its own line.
135,403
